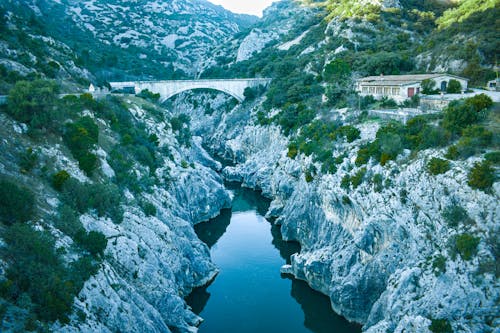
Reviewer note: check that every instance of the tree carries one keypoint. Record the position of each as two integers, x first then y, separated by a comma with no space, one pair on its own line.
17,203
454,87
481,176
33,101
438,166
428,87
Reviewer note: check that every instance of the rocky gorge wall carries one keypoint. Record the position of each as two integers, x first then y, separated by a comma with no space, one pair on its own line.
370,251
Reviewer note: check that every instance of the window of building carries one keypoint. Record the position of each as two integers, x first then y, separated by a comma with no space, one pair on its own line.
395,91
379,91
387,91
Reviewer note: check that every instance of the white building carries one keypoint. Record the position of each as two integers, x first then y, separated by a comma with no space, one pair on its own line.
403,87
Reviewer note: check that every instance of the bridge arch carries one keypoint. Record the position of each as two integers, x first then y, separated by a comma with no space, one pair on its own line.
165,98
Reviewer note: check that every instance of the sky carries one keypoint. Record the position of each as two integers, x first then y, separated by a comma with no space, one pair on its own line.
253,7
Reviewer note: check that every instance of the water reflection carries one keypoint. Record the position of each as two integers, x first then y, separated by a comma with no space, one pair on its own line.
319,317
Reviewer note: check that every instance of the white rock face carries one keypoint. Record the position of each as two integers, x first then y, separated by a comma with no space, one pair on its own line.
254,42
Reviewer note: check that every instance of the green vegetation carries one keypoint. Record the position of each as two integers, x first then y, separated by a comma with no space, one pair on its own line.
429,87
454,87
28,160
59,178
463,113
482,176
440,326
81,137
181,126
466,245
149,96
94,242
493,157
437,166
439,265
464,11
455,215
104,198
34,103
36,269
148,208
17,203
474,139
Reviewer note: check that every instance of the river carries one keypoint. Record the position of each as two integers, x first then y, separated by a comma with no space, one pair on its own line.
249,295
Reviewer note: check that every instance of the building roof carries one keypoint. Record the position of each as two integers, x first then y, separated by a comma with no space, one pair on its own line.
399,80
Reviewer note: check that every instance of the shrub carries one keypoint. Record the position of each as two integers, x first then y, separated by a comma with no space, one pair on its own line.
455,214
36,269
474,138
460,114
308,176
440,326
439,265
358,178
104,198
481,176
428,87
454,87
28,160
377,182
351,133
59,178
33,102
466,245
80,137
346,200
437,166
493,157
345,183
94,242
292,150
148,208
17,203
148,95
67,221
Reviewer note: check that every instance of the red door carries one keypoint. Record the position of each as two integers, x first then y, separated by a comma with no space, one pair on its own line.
411,92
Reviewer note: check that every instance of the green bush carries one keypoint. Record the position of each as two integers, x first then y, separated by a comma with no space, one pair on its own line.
358,177
148,95
94,242
454,215
461,114
292,150
148,208
439,265
493,157
17,203
81,137
36,269
351,133
33,102
474,139
59,178
440,326
28,160
104,198
481,176
454,87
377,181
466,245
437,166
67,221
429,87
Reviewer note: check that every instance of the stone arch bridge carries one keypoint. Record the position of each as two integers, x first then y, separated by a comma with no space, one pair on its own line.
169,88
